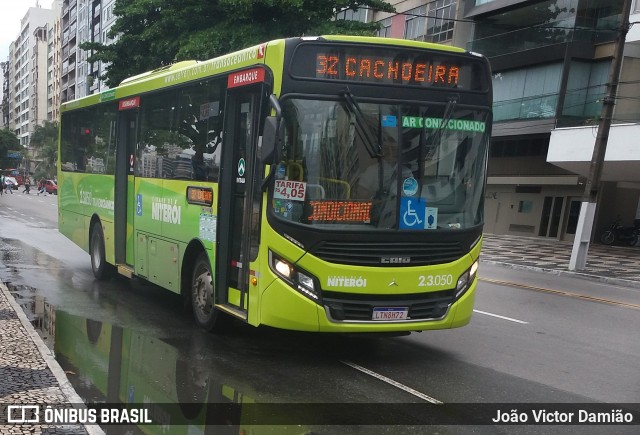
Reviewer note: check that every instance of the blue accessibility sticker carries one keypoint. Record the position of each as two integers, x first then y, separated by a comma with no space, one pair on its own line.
412,213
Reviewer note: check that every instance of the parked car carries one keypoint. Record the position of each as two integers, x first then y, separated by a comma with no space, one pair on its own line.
51,187
13,181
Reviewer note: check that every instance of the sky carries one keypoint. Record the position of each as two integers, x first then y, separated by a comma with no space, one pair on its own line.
11,12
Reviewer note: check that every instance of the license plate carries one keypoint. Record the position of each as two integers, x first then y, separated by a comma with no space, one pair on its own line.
390,313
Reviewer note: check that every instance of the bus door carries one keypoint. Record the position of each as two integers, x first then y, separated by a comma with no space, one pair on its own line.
124,198
239,201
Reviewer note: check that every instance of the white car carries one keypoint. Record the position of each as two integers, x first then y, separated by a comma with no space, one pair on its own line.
13,180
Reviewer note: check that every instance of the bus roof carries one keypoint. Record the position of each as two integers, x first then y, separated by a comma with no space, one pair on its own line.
192,69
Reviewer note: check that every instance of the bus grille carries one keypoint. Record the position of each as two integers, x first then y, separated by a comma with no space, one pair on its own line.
359,308
373,253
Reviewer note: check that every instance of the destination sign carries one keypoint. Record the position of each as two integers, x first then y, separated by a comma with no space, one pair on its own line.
340,212
388,65
199,195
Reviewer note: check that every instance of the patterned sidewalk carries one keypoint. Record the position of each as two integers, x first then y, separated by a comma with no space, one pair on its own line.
609,263
29,373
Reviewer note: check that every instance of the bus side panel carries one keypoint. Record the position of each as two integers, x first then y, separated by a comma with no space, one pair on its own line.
149,203
182,221
72,225
80,197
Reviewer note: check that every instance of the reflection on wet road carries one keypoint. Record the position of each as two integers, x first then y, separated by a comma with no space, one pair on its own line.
186,376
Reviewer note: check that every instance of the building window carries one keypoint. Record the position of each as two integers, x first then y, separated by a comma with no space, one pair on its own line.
415,23
440,21
432,22
385,28
351,15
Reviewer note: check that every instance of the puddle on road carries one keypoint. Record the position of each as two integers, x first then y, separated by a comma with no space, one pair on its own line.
110,364
185,392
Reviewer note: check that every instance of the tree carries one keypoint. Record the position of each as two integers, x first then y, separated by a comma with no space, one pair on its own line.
8,142
44,142
155,33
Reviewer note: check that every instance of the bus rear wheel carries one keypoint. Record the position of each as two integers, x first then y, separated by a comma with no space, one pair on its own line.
101,269
202,294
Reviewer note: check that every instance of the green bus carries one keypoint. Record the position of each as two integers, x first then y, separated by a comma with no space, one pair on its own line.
330,184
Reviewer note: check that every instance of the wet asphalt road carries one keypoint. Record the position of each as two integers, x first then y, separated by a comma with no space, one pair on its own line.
130,341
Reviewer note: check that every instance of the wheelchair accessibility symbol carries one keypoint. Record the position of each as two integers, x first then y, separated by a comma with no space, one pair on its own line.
412,213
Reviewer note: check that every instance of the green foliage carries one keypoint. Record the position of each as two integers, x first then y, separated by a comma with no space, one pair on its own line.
44,141
155,33
8,142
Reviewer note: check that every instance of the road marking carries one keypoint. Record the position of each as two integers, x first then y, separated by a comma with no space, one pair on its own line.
394,383
511,319
563,293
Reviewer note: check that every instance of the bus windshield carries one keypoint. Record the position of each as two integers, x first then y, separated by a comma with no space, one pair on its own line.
348,164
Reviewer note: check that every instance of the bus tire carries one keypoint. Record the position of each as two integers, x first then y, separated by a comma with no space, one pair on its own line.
202,294
101,269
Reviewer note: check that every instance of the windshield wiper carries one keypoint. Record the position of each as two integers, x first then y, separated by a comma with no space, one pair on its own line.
446,117
373,146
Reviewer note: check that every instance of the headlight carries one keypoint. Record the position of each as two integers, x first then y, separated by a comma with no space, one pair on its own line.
466,279
299,279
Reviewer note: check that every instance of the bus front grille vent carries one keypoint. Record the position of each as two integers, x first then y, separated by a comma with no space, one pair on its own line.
380,253
359,308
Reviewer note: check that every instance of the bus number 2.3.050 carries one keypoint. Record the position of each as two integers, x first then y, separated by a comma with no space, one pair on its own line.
435,280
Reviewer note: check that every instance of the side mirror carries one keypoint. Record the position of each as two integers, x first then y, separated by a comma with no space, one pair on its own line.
270,137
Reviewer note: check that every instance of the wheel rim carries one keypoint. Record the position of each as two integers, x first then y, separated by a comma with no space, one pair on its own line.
96,254
201,292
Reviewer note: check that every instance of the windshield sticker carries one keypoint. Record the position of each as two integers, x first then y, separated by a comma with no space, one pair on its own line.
431,221
435,123
389,121
293,190
412,213
409,186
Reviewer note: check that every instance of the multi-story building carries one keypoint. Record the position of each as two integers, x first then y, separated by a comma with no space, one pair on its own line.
4,121
572,147
83,21
551,61
69,48
54,63
28,74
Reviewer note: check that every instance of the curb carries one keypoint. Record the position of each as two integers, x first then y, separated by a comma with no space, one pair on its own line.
581,275
65,386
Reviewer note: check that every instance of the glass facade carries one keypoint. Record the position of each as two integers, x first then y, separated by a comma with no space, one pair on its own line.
546,23
529,93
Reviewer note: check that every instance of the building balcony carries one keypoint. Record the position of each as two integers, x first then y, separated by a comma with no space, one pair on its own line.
539,37
579,107
572,149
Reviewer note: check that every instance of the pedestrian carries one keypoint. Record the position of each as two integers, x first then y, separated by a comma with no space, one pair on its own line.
8,186
1,185
41,187
27,186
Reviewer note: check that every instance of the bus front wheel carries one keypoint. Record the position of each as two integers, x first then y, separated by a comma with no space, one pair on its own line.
202,293
101,269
